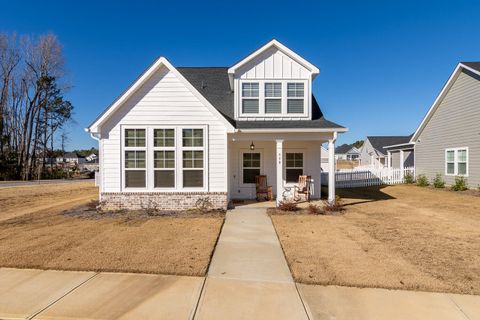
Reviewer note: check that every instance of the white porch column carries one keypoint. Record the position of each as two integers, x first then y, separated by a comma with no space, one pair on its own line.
331,169
279,161
389,159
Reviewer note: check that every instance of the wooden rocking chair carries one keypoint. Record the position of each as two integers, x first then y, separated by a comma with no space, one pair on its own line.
303,188
262,190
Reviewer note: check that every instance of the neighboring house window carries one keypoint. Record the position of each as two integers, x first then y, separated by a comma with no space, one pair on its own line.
135,159
273,97
164,158
451,162
250,94
293,166
456,161
251,166
295,97
193,157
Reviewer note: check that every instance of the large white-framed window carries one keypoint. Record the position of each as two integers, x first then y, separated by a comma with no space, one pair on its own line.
251,166
294,166
250,97
273,97
295,97
456,161
164,158
135,155
193,157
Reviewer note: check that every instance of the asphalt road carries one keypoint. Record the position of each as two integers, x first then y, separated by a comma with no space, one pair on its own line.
9,184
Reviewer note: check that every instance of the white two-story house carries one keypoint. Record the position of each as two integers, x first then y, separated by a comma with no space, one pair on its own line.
179,134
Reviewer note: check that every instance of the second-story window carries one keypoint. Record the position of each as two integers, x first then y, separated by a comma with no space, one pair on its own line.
250,94
273,97
295,97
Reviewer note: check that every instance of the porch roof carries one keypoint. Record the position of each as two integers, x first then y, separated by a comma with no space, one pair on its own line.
213,83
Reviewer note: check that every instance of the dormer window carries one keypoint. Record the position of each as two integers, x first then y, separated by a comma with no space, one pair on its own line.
273,97
250,95
295,97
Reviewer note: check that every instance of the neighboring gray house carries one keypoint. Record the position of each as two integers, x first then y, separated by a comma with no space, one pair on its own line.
375,153
447,141
346,152
401,154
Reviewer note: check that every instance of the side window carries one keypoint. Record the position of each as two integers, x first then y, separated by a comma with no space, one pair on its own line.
456,161
193,152
450,155
295,97
164,158
135,158
250,96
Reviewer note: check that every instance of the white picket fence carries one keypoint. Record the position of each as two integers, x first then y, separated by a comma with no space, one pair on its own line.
370,177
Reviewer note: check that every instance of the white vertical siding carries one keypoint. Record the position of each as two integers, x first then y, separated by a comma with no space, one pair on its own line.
273,64
455,123
163,100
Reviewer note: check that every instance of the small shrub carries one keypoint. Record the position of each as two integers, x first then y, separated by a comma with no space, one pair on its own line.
336,206
438,181
314,209
204,204
93,205
460,184
408,178
287,206
422,180
151,208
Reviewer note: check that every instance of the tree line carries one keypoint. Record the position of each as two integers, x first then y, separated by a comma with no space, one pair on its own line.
33,109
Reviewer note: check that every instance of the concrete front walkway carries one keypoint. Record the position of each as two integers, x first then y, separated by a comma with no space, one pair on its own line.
249,277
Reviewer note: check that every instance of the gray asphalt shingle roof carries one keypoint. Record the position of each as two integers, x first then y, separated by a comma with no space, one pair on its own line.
213,83
380,142
474,65
344,148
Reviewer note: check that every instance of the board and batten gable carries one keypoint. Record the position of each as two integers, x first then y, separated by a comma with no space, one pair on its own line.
274,63
163,100
454,124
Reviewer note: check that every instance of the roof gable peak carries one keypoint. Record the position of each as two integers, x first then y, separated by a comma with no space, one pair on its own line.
278,45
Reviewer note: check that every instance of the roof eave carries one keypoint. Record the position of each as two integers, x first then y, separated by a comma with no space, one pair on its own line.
263,130
95,126
274,43
440,97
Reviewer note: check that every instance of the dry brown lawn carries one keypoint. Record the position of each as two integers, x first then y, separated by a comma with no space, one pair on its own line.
36,233
402,237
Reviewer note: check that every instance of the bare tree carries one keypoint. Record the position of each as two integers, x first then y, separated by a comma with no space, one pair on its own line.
32,106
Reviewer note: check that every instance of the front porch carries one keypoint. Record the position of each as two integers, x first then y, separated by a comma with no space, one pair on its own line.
280,156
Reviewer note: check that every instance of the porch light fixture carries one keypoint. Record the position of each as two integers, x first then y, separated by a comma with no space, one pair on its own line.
252,146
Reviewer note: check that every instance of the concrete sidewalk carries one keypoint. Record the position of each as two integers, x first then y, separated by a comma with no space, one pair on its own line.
249,277
346,303
38,294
